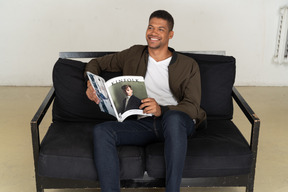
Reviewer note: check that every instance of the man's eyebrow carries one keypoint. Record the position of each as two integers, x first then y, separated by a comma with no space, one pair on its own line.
157,27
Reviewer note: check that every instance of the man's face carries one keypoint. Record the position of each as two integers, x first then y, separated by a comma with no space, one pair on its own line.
158,34
128,91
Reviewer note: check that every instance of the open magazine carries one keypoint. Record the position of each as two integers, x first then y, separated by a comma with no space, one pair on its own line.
120,96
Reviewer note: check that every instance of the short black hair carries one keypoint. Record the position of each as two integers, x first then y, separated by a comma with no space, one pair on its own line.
124,87
162,14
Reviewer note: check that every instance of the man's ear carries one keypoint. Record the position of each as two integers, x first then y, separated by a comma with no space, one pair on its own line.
171,34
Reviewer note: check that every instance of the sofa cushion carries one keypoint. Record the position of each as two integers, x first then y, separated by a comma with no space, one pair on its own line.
67,152
217,80
219,150
71,102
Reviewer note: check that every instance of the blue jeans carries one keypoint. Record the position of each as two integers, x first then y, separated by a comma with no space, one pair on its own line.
172,128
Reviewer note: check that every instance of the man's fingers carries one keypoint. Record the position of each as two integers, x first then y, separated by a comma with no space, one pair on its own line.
91,93
149,110
150,106
145,103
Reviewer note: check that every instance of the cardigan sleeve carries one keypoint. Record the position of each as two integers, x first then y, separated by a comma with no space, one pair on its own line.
188,89
112,63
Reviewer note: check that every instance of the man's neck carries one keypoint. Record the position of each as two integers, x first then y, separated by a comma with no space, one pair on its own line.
158,54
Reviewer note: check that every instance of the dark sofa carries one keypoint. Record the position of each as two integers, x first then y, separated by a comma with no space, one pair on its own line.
217,155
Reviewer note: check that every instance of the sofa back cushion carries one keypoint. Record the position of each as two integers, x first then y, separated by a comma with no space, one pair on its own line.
217,80
72,104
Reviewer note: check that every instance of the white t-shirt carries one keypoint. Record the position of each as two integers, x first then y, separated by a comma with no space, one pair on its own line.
157,82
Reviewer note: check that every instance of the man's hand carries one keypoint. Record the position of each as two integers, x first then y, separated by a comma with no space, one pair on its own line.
91,93
150,106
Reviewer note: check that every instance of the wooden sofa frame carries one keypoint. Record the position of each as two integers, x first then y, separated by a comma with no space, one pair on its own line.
42,183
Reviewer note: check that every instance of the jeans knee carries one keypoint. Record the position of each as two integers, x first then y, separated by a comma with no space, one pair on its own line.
102,132
177,123
174,117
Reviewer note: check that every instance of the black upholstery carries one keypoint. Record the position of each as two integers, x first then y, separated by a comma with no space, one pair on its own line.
67,152
219,150
217,80
227,150
71,102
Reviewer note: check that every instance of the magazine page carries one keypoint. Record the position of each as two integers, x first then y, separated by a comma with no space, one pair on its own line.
98,84
126,93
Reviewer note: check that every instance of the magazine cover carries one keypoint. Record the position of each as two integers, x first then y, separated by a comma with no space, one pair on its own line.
120,96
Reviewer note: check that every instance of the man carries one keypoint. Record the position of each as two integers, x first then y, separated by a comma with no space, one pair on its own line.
174,90
130,101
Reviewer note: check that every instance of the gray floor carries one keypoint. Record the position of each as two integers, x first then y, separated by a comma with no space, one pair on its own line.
19,104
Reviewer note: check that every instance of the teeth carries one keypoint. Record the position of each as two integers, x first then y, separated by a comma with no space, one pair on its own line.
153,39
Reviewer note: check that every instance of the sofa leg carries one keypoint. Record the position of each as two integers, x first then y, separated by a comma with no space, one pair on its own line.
249,188
250,184
39,188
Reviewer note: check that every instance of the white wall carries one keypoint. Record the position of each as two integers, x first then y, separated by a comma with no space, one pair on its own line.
32,32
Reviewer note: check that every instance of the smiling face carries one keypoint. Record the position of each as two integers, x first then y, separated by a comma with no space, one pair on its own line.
158,33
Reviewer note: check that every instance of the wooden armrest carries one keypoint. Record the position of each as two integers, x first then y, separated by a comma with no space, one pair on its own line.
35,122
255,122
251,116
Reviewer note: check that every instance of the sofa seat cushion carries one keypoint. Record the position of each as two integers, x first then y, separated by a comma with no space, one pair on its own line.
219,150
67,152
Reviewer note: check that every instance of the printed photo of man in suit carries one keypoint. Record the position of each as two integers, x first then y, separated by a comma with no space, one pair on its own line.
131,101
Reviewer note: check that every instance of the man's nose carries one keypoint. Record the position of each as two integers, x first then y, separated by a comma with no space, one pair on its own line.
154,31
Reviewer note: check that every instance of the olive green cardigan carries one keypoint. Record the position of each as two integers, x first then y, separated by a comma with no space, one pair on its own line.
184,76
